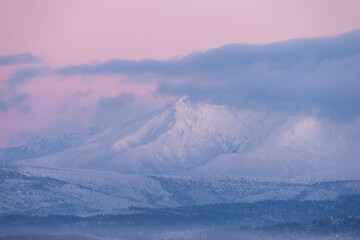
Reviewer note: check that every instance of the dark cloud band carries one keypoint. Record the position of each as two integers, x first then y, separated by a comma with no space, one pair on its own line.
295,75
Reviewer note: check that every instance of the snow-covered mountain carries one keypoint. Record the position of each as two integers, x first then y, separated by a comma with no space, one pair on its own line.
46,145
189,138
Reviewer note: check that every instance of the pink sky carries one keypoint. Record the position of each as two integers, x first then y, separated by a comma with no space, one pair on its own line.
67,31
83,31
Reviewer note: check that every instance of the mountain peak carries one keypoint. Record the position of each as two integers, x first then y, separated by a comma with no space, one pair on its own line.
181,101
183,98
180,106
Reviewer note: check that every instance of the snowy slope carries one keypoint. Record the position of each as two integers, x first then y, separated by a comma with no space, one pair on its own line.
181,136
42,191
46,145
201,139
300,146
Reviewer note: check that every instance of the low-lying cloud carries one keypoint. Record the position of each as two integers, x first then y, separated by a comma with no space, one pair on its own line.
321,75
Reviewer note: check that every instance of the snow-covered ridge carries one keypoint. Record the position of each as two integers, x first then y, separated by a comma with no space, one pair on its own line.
44,191
200,139
45,145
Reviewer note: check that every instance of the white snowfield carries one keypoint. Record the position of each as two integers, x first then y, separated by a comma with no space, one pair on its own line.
51,191
198,139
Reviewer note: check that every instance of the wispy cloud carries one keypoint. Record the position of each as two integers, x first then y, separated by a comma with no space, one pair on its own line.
3,104
17,100
22,58
122,108
21,75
